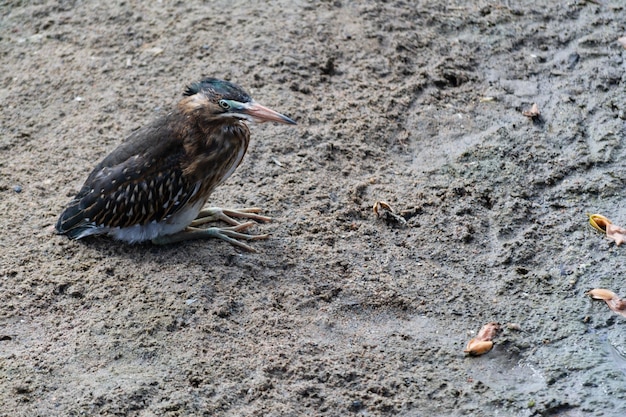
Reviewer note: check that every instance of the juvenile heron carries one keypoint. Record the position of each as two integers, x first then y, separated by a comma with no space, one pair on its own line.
153,187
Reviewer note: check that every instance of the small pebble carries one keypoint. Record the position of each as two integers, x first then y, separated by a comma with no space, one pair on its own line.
514,326
17,188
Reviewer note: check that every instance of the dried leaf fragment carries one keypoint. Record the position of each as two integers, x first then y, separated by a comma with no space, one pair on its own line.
533,113
610,298
617,233
482,343
604,225
379,206
384,211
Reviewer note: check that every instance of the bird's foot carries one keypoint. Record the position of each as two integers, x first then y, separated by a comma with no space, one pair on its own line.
231,234
213,214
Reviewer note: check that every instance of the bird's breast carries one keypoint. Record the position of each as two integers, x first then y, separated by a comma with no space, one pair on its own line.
217,155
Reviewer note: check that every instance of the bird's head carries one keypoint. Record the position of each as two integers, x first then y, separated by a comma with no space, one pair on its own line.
222,99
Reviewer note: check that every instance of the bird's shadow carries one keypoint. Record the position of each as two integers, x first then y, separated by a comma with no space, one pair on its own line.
209,252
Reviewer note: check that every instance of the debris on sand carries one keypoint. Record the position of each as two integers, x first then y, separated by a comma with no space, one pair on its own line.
482,343
533,113
604,225
385,212
615,303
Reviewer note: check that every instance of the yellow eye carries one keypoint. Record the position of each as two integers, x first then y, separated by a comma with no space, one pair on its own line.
224,104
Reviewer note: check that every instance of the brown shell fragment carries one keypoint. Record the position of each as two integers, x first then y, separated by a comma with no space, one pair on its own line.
613,232
482,343
601,294
610,298
478,347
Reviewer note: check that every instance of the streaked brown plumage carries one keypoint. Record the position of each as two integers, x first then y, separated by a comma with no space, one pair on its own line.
155,184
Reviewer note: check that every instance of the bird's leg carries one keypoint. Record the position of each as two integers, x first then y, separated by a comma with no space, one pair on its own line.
212,214
229,234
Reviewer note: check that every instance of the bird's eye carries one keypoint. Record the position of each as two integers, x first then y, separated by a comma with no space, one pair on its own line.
224,104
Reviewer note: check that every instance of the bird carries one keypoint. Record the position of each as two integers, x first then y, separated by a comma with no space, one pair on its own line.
154,186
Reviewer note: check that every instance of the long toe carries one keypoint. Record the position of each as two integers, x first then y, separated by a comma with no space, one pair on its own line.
213,214
231,234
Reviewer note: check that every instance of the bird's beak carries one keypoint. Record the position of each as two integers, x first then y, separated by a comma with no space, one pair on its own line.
261,114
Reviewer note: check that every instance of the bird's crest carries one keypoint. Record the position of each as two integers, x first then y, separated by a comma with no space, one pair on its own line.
217,89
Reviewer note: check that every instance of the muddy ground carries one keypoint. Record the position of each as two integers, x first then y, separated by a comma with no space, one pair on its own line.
340,313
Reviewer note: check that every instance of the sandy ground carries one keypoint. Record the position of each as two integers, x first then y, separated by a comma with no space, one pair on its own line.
340,313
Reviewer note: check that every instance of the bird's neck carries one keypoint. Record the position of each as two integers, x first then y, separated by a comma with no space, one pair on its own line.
215,149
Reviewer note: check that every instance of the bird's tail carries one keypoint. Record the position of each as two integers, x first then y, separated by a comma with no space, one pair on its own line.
73,223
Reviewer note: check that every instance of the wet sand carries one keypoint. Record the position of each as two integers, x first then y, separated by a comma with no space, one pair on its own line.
341,312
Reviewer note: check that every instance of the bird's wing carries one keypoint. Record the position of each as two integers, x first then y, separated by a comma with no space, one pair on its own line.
161,137
139,182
